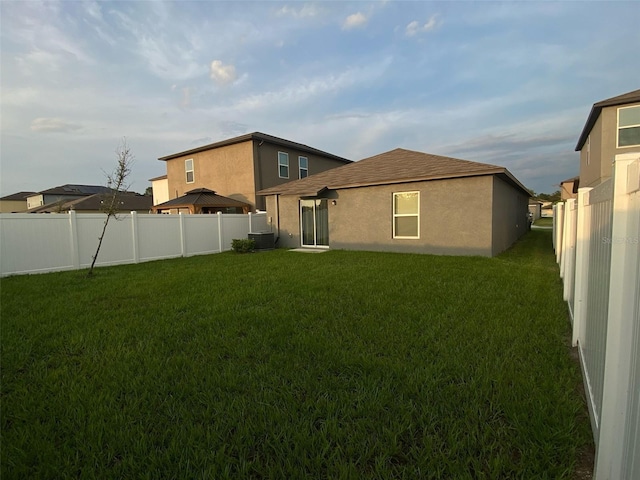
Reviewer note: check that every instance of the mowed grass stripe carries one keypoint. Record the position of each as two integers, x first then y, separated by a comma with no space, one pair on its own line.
284,365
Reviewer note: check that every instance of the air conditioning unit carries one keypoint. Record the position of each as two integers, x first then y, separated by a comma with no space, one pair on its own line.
263,240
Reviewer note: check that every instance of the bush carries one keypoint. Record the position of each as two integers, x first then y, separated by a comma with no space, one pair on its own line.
243,245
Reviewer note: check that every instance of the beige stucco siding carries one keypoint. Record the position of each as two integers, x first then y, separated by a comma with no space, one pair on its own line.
227,170
13,206
510,215
455,217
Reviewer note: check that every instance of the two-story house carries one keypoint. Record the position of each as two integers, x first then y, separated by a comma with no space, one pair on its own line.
613,127
239,167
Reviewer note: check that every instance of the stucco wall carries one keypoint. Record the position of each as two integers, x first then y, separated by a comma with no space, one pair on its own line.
455,218
238,171
13,206
510,215
267,172
227,170
603,137
160,191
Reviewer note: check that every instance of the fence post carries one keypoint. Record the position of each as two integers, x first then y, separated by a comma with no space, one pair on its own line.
583,240
220,231
183,243
73,232
553,232
250,223
560,225
621,317
134,236
568,249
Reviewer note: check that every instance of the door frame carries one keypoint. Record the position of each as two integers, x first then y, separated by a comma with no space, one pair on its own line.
315,233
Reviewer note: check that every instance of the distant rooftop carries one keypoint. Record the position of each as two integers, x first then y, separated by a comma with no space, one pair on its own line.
18,196
70,189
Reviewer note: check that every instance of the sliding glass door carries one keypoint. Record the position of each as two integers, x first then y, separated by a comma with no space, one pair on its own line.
314,223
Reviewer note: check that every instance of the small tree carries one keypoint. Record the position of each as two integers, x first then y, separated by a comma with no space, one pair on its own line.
116,181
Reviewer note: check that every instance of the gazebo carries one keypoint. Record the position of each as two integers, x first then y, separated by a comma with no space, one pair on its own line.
202,200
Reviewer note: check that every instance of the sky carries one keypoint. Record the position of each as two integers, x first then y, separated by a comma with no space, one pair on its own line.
505,83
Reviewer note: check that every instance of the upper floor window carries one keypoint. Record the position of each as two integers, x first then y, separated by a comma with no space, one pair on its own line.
283,165
188,170
629,126
406,215
303,164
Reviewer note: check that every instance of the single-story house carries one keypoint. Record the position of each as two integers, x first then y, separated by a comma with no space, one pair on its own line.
535,209
402,201
15,203
202,200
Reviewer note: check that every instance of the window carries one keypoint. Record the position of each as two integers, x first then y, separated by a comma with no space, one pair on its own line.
188,169
303,164
283,165
588,149
628,126
406,215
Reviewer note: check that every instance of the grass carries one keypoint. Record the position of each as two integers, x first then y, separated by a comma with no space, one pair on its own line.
544,222
286,365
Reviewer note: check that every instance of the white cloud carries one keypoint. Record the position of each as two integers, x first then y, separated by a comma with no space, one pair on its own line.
48,125
354,21
306,11
414,28
222,74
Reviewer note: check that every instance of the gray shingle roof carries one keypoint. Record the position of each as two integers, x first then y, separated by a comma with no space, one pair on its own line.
127,201
202,197
395,166
70,189
18,196
625,98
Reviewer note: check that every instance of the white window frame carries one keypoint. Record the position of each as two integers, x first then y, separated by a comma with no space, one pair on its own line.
301,168
189,168
625,127
396,215
281,156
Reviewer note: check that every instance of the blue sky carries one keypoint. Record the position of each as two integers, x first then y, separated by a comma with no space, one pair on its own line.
497,82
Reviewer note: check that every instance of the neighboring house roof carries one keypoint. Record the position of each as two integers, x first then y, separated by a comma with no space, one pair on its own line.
630,97
575,181
256,136
127,201
161,177
18,196
70,189
395,166
572,179
535,202
202,197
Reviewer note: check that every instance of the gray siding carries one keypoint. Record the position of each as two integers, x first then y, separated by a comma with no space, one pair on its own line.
510,215
455,218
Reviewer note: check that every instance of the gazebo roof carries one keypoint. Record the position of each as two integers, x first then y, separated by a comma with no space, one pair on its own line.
201,197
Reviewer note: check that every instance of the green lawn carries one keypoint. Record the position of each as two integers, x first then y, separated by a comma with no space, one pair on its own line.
290,365
544,222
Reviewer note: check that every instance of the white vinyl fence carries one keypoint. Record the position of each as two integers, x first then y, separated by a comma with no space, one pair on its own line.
38,243
597,241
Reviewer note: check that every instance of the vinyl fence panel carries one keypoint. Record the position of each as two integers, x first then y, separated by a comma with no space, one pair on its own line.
606,315
38,243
